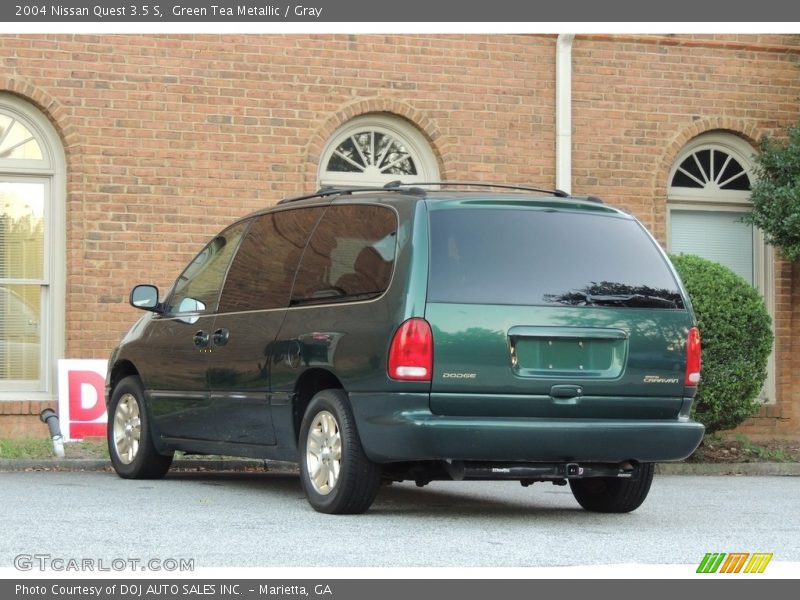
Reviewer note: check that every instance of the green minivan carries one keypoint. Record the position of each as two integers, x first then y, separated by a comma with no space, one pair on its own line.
420,332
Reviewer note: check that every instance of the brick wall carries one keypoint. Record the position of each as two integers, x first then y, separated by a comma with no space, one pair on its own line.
21,419
168,138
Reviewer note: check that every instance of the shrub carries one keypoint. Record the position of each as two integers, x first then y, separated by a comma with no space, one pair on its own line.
736,334
776,193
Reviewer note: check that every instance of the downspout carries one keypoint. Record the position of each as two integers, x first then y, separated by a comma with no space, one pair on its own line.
50,418
564,112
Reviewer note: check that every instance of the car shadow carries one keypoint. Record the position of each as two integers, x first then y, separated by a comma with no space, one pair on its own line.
403,499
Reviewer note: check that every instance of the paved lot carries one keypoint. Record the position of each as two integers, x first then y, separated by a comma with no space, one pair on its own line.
262,519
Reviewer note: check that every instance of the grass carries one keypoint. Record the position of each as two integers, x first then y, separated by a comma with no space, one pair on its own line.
37,448
27,448
762,453
91,448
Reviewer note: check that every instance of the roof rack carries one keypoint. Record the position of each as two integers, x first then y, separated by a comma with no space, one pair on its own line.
333,191
416,189
398,184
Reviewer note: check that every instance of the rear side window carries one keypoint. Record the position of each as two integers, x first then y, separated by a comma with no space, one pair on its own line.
546,257
262,272
350,255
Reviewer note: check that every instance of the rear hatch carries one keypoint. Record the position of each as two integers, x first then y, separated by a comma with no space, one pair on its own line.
552,310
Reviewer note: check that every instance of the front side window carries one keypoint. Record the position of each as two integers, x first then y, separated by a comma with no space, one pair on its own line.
262,273
198,287
349,257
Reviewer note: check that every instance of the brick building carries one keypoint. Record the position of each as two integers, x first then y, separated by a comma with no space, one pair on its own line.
121,155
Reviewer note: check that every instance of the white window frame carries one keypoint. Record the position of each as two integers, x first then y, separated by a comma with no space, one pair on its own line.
716,200
52,171
418,147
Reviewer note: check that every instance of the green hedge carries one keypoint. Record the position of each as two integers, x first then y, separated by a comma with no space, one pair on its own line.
736,335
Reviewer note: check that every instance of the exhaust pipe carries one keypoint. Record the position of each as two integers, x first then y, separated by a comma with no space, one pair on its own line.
49,416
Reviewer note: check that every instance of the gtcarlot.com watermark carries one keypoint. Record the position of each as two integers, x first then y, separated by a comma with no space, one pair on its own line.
48,562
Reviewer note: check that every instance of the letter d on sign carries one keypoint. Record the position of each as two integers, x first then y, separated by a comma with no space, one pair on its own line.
85,395
81,398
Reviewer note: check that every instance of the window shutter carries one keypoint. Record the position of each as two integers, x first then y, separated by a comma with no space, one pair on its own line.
720,236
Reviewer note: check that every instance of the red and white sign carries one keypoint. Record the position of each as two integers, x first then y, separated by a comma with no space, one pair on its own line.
81,398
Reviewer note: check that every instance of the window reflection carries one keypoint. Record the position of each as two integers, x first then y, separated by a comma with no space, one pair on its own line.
21,230
17,141
20,332
21,261
372,151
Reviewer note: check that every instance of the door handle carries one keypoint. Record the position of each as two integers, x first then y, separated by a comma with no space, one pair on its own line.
221,337
200,339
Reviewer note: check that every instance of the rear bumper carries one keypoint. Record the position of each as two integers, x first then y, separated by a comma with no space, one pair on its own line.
401,427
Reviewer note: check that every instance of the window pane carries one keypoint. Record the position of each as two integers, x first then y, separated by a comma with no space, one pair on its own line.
20,318
350,255
690,165
346,158
548,257
197,289
682,180
716,235
21,230
704,158
16,141
733,177
262,273
720,158
398,161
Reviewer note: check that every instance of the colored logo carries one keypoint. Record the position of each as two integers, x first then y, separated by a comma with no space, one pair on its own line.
734,562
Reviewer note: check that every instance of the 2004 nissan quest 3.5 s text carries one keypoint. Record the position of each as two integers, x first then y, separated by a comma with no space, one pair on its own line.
425,332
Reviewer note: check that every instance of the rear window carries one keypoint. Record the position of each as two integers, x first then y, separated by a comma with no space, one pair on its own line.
546,257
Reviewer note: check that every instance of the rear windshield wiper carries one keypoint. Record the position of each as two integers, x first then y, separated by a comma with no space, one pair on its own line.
636,300
632,300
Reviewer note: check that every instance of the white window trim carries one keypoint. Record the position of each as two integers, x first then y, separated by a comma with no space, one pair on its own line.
419,149
730,201
52,169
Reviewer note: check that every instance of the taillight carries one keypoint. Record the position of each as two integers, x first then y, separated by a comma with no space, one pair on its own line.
693,359
411,352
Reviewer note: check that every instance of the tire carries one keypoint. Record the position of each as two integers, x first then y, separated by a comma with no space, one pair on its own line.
130,442
611,494
337,476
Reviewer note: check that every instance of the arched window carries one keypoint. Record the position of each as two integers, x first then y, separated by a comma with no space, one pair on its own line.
372,150
708,196
31,251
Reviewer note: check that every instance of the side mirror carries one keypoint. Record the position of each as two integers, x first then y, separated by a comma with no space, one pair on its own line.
145,297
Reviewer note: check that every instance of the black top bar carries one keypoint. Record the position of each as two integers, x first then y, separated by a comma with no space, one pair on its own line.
557,193
415,189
